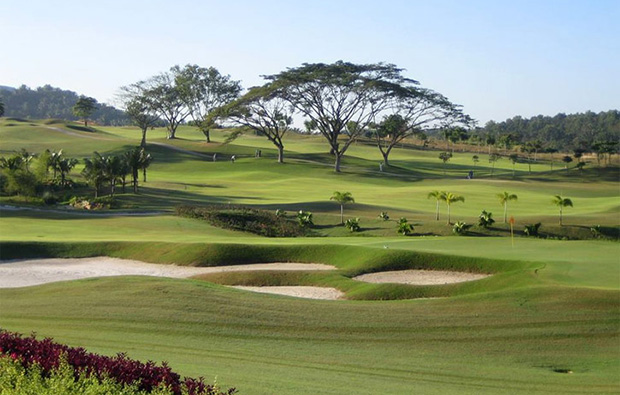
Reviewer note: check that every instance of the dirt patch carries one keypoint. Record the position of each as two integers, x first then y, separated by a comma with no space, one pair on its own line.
420,277
298,292
24,273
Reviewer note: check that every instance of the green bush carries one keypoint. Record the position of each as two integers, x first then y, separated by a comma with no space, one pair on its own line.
353,224
261,222
485,219
532,230
404,227
304,219
461,228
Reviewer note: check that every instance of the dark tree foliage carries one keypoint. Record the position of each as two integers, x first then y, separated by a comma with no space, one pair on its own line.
49,102
563,132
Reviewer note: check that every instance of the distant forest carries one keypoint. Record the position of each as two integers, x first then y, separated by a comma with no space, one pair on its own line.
562,132
49,102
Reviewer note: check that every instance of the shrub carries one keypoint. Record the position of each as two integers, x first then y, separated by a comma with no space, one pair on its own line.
45,359
384,215
353,224
304,218
280,213
485,219
404,227
532,230
261,222
461,228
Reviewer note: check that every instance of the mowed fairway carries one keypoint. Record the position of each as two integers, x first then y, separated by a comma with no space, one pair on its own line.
547,321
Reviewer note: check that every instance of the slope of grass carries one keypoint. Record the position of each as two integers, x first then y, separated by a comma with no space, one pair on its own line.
496,342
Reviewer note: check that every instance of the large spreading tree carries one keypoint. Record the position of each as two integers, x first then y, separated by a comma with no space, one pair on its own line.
210,90
262,111
340,100
170,95
412,111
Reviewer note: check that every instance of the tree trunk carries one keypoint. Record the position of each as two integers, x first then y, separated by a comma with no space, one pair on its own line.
505,211
280,154
560,215
437,211
448,214
207,134
386,161
144,174
112,188
172,133
341,214
143,142
337,164
85,123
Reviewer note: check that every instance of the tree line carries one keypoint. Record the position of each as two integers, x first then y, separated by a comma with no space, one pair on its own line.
341,102
49,102
561,132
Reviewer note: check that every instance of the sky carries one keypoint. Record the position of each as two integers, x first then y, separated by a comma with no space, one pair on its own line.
496,58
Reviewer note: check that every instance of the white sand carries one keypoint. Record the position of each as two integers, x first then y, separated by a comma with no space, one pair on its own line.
24,273
298,292
420,277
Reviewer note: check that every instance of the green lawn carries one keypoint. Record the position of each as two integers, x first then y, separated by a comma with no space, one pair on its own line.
552,305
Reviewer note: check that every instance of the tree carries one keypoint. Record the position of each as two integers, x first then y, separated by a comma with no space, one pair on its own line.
438,196
142,113
145,162
414,110
112,171
263,112
170,95
84,107
450,198
514,158
561,202
210,90
341,99
551,151
1,108
475,159
342,198
94,171
494,157
445,157
64,167
567,159
529,148
133,159
504,198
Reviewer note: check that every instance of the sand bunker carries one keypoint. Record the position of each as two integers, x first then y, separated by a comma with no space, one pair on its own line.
298,292
420,277
24,273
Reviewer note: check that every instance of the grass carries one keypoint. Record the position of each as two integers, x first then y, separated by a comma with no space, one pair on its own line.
552,306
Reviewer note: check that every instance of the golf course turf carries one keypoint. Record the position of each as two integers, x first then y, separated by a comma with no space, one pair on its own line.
546,320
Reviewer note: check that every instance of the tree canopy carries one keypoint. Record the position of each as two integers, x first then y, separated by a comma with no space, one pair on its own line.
84,107
340,100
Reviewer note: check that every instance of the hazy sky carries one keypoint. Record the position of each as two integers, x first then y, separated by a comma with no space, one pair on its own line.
496,58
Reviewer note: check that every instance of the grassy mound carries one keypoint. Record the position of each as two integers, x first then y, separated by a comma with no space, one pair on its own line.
260,222
351,261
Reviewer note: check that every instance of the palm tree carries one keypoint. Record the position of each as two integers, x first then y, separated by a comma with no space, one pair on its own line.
342,198
64,166
561,202
504,198
94,171
145,162
438,196
450,198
